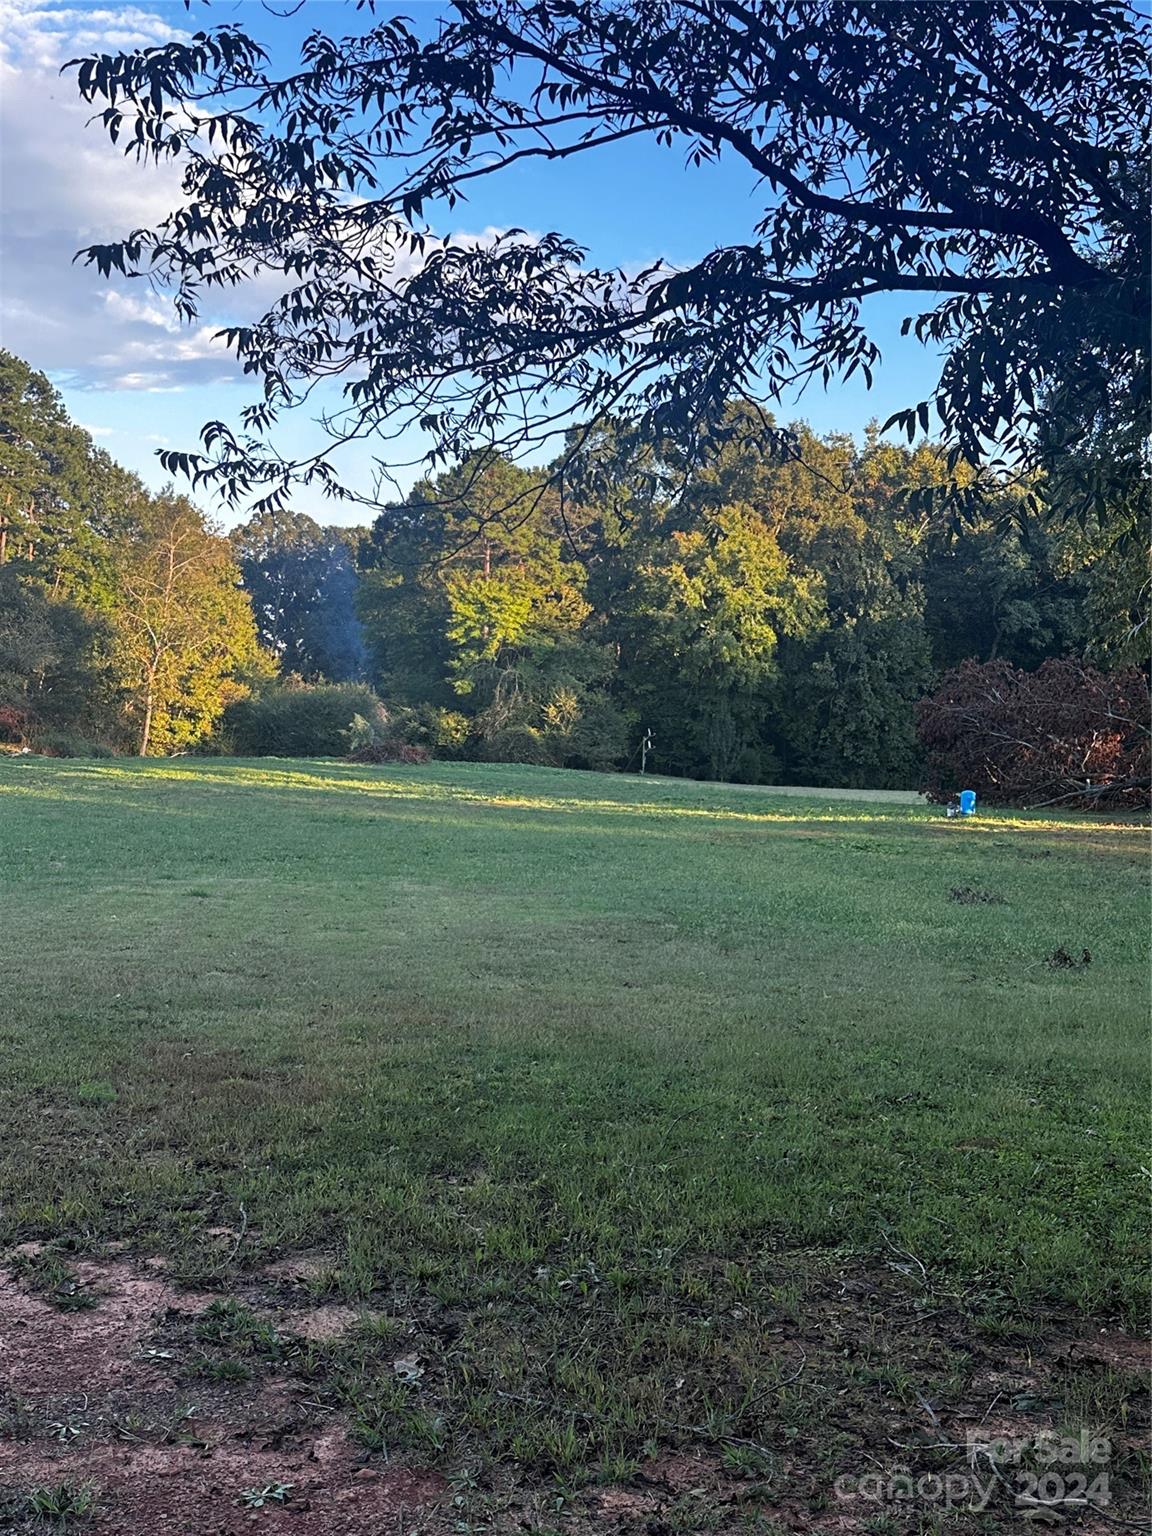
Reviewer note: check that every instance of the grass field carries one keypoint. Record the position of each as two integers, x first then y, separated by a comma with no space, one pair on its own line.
641,1117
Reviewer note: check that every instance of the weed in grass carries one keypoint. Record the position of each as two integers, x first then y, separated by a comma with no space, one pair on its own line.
1061,960
96,1093
1100,1403
691,1516
54,1280
230,1326
618,1468
261,1498
132,1426
787,1298
176,1429
219,1368
379,1327
748,1461
67,1429
61,1501
223,1322
376,1407
323,1284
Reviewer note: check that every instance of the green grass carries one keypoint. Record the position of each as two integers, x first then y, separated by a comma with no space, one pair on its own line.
64,1502
580,1060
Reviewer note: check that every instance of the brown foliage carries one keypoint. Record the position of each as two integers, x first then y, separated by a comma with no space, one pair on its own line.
390,752
1065,733
14,723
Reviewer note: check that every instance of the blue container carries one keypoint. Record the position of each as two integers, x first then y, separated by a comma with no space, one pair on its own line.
967,802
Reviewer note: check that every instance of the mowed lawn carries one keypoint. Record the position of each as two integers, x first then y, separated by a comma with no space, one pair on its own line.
580,1061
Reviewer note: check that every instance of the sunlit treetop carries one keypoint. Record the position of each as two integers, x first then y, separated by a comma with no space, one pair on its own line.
988,161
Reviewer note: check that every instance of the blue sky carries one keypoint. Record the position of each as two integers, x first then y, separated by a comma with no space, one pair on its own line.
139,382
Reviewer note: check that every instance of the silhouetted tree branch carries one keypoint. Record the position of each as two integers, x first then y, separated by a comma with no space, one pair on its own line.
988,157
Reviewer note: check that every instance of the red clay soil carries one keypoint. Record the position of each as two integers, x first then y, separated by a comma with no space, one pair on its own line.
84,1371
177,1488
45,1352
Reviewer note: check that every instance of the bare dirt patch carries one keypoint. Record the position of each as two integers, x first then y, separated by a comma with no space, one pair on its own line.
1120,1351
46,1352
199,1491
88,1399
319,1323
299,1268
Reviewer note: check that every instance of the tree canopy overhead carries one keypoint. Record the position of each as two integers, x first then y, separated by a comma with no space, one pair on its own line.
987,160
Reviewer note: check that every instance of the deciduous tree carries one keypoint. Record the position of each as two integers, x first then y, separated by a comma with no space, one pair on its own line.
51,677
302,581
185,640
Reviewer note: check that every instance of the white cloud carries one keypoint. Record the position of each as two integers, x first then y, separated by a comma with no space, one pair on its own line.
123,307
154,383
44,35
62,186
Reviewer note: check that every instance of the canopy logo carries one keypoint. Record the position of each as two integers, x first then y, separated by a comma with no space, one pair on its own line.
1036,1471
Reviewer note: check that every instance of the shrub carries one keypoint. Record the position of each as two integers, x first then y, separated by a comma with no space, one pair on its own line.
390,751
1065,733
575,728
446,731
598,737
301,720
395,738
521,744
359,735
67,744
14,724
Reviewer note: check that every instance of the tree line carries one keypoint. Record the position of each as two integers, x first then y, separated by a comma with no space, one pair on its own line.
765,617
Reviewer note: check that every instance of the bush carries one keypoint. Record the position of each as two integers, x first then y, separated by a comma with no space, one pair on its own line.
390,751
757,765
387,739
1065,733
360,735
14,724
598,738
520,744
67,744
300,720
446,731
575,728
